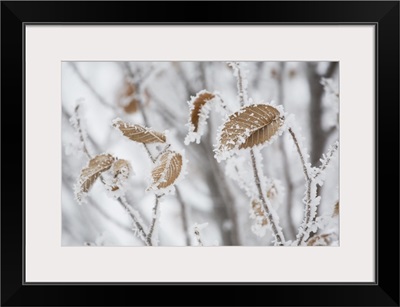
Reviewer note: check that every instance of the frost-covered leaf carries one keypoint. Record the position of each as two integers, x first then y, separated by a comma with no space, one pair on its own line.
139,133
120,171
257,214
250,126
199,111
90,173
321,240
167,170
197,103
259,211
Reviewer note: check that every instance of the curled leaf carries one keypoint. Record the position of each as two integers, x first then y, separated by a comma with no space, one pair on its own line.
98,165
167,170
197,103
120,171
139,133
199,112
250,126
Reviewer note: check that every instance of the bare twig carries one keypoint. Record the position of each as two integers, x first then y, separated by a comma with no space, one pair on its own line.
327,159
80,132
136,221
266,204
286,171
301,154
149,153
307,217
241,87
185,223
289,188
196,231
156,211
90,86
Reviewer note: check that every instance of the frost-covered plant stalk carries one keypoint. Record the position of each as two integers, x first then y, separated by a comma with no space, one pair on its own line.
169,168
246,132
248,129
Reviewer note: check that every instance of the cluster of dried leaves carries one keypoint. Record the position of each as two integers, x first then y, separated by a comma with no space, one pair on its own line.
167,168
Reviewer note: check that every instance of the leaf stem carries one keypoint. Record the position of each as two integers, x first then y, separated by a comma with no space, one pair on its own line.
267,206
121,199
305,225
142,233
149,238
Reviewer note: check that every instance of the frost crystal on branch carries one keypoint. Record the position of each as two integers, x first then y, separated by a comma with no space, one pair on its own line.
240,72
319,173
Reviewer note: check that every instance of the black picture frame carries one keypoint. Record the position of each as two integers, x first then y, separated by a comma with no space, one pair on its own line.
384,15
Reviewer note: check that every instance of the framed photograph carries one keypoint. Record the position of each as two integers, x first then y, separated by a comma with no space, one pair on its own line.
249,152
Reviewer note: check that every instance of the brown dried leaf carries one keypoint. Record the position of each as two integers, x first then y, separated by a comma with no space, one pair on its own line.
127,99
320,240
259,211
336,209
199,101
139,133
132,106
168,170
90,173
120,170
250,126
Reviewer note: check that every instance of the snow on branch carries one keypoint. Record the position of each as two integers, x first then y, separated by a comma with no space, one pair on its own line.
240,72
319,173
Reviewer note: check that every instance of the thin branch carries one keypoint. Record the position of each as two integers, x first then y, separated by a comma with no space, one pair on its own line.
242,91
304,227
289,190
149,153
198,236
80,132
139,98
136,220
301,155
121,199
185,223
327,159
162,152
183,77
267,206
149,238
286,171
90,86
